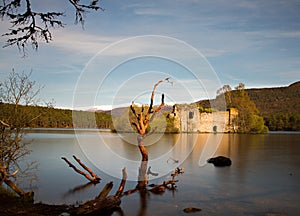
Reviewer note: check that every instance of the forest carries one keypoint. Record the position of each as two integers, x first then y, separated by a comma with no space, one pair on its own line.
280,107
49,117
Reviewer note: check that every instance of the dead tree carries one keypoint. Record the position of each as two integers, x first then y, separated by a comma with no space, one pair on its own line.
141,123
106,205
92,177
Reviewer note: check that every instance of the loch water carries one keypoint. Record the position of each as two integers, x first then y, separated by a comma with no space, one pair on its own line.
263,179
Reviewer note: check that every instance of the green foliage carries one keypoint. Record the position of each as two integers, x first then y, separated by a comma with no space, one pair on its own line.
170,126
45,117
248,119
257,124
283,121
205,109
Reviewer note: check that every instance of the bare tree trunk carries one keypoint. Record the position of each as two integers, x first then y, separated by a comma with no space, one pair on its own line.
28,196
143,175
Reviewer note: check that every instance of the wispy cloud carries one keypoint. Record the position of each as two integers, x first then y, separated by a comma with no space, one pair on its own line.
81,41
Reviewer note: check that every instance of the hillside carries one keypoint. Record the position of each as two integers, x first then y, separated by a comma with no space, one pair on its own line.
277,100
279,106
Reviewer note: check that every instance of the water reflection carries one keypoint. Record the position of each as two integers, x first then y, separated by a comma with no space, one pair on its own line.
78,189
264,175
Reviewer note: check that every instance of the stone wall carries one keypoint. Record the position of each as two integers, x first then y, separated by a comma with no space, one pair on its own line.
187,118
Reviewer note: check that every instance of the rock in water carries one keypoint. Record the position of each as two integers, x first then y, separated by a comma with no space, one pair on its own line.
191,210
220,161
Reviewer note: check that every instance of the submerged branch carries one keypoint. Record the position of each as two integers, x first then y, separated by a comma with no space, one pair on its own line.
94,179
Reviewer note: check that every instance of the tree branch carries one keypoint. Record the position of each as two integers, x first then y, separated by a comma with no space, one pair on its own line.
122,184
142,121
91,179
25,29
95,177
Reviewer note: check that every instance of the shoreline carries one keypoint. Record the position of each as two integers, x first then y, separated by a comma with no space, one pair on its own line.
107,130
13,205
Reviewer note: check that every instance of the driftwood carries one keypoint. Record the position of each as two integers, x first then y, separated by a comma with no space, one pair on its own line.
92,177
103,204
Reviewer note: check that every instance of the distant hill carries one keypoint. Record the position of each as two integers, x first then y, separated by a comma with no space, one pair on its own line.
277,100
272,100
118,112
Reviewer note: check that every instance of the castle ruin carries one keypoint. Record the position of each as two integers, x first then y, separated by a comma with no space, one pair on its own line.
188,119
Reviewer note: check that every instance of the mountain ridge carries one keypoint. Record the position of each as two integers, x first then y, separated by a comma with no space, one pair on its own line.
272,100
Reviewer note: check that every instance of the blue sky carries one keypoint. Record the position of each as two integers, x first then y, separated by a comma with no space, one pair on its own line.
253,42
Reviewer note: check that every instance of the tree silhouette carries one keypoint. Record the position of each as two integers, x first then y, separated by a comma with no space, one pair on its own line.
30,27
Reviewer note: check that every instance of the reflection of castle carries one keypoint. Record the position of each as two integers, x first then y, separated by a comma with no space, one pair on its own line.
187,118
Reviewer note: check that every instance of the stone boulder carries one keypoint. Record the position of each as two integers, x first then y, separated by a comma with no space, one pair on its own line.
220,161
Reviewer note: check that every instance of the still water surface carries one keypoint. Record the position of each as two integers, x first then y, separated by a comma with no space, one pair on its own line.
264,176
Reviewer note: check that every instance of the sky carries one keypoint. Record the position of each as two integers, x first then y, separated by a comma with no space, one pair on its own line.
122,52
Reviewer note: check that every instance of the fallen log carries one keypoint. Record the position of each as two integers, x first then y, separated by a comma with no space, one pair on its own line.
103,204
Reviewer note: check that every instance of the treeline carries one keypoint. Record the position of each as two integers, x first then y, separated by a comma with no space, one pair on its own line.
283,121
45,117
280,107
